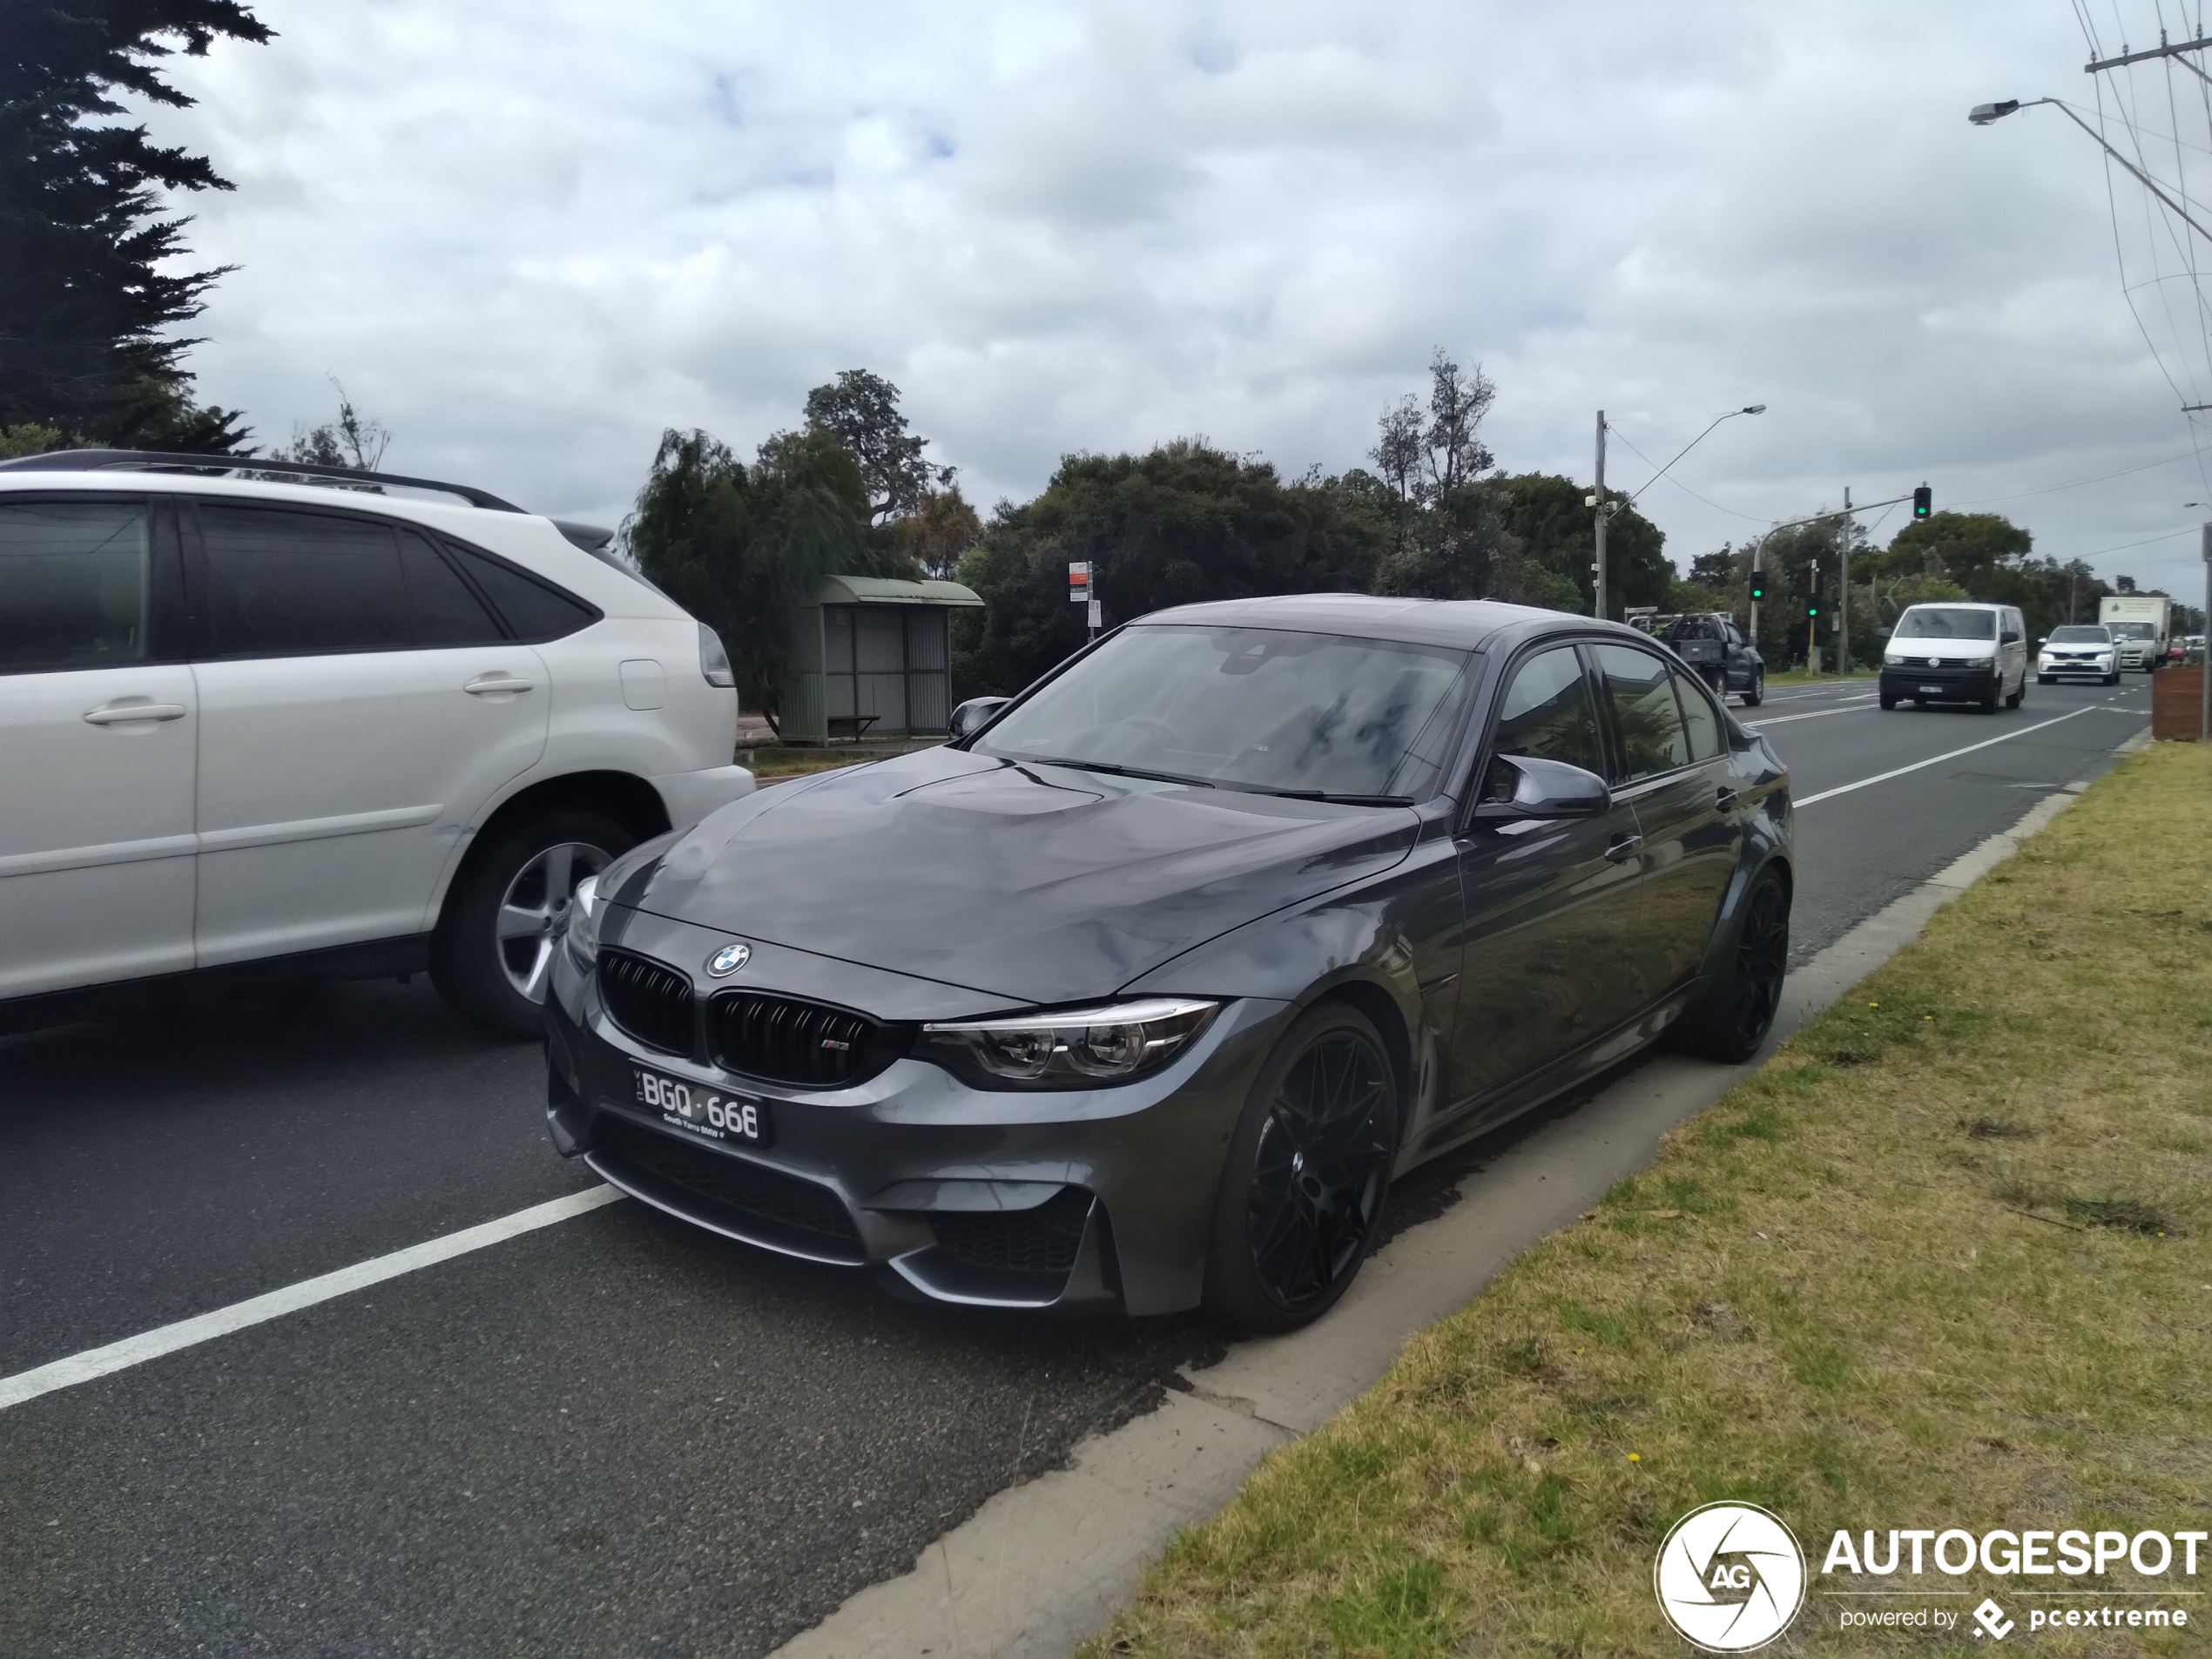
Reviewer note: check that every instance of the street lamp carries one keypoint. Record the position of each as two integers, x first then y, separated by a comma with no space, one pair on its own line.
1605,509
1982,114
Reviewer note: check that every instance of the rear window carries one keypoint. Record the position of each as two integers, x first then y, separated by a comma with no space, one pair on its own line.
285,584
1947,622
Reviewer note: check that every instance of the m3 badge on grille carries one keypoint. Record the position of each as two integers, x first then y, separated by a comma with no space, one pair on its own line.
728,961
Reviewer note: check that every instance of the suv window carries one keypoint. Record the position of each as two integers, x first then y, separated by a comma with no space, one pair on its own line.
536,610
1702,726
1645,718
75,584
1548,711
285,584
442,608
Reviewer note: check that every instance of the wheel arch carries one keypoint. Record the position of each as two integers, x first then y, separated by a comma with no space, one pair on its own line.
625,797
1383,1013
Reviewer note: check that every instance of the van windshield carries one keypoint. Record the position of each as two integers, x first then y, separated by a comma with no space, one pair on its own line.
1947,622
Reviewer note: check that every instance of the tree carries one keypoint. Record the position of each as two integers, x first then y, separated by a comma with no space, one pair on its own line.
1958,546
87,300
860,410
741,548
1184,523
1544,512
349,441
940,529
1447,543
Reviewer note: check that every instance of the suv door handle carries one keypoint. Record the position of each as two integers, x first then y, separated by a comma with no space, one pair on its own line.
117,713
1725,801
498,680
1621,848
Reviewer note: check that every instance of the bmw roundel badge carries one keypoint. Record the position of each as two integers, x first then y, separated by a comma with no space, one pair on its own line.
728,961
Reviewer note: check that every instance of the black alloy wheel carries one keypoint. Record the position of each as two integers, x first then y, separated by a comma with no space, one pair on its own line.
1308,1168
1738,1010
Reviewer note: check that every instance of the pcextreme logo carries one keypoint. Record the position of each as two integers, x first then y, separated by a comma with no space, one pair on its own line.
1730,1577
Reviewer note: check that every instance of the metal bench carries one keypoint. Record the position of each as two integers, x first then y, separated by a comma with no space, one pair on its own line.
851,726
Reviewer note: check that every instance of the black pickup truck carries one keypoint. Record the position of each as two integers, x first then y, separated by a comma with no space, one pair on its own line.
1711,642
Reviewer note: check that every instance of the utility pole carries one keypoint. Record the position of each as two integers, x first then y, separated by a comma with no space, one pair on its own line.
1758,552
2204,684
1843,592
1597,569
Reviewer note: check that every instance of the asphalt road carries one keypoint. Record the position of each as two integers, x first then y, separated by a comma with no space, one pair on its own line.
617,1434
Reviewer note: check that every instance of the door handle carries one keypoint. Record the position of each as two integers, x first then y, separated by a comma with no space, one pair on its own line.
1621,848
1725,801
117,713
500,680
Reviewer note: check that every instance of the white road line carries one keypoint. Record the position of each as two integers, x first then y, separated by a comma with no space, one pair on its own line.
1932,760
1784,719
205,1327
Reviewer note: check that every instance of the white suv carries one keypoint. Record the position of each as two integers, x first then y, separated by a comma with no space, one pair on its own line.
348,731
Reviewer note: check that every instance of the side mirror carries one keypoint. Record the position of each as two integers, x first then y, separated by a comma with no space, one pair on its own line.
2008,638
1545,788
977,712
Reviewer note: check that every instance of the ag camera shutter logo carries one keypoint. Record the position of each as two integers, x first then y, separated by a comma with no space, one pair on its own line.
1730,1577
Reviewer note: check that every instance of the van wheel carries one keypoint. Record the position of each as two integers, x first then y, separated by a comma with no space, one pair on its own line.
1889,700
1733,1018
2020,694
1308,1168
493,952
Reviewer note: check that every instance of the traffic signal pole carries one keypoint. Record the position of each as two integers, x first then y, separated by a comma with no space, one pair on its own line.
1843,591
1597,569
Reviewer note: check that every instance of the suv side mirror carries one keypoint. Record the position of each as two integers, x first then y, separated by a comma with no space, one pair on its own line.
977,712
1544,788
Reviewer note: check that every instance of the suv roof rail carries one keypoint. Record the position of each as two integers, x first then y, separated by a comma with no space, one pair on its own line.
164,460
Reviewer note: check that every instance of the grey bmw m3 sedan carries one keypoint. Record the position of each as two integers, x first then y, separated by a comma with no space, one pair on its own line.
1140,990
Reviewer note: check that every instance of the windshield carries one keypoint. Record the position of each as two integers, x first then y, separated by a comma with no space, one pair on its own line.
1947,622
2080,635
2131,629
1251,708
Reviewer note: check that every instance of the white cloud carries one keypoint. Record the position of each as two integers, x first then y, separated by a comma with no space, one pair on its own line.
530,236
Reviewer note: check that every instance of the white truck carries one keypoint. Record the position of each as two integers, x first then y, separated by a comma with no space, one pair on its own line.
2141,625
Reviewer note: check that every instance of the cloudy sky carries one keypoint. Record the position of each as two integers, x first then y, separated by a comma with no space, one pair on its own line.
529,236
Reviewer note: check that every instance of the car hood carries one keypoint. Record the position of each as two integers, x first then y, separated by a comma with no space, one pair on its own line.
1041,884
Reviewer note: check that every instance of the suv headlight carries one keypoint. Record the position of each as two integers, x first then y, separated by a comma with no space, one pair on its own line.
1079,1049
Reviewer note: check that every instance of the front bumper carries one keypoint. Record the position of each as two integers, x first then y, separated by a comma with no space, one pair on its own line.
1946,683
1063,1199
2074,668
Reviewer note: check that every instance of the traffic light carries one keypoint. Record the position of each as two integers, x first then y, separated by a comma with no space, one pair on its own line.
1758,587
1812,608
1923,502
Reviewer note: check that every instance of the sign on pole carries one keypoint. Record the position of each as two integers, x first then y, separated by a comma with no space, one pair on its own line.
1079,581
1097,616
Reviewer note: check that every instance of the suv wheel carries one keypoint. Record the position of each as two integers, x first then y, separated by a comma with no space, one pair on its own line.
1308,1166
493,951
1736,1014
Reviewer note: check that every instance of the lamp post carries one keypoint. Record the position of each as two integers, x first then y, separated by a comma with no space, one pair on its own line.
1605,509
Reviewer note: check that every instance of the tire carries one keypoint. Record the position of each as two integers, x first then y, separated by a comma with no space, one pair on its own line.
1755,691
2042,679
1733,1018
496,982
2113,678
1991,697
1308,1168
1888,699
2019,693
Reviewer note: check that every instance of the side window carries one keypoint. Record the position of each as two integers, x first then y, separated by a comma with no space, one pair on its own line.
1699,722
534,610
1547,711
1645,717
441,607
284,583
75,584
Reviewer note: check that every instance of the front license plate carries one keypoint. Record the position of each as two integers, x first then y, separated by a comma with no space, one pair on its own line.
1932,691
703,1110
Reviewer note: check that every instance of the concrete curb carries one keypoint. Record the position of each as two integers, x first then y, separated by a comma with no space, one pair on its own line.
1042,1565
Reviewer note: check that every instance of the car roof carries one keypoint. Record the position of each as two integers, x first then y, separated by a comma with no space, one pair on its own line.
1464,624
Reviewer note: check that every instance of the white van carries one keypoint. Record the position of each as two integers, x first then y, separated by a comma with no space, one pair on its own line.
1956,652
289,717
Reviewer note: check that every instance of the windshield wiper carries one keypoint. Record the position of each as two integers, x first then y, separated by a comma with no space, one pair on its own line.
1322,794
1110,767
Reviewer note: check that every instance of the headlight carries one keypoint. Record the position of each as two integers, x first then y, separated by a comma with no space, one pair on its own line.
582,934
1080,1048
1892,659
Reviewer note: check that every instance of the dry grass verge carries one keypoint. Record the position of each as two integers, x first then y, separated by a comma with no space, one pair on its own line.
1946,1261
